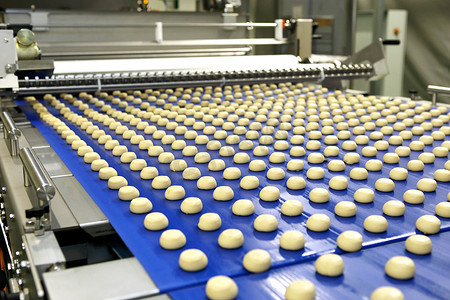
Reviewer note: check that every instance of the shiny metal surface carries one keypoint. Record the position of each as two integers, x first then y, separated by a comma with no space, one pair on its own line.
52,163
37,175
118,279
11,133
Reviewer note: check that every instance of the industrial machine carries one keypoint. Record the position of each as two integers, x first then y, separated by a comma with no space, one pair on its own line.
65,235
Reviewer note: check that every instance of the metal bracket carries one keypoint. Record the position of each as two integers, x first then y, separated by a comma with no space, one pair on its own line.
10,133
39,20
435,90
8,61
304,38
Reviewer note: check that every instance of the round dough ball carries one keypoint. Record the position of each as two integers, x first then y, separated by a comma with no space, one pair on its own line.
330,265
175,192
369,151
375,224
316,158
202,157
296,183
269,193
191,205
138,164
384,185
128,193
427,185
243,207
277,158
319,195
440,151
249,182
292,240
300,289
257,165
292,208
90,157
414,197
261,151
336,165
206,183
391,158
318,222
416,165
156,221
364,195
209,222
116,182
161,182
419,244
223,193
191,173
315,173
359,174
428,224
172,239
442,175
257,261
275,174
192,260
345,209
400,267
338,183
232,173
231,239
265,223
350,241
149,173
216,165
106,173
141,205
387,293
394,208
398,174
99,164
221,288
295,165
331,151
442,209
374,165
351,158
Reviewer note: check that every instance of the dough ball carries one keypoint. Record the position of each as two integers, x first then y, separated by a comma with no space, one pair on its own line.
191,205
331,151
127,157
364,195
119,150
427,185
257,261
296,183
209,222
351,158
292,208
391,158
416,165
221,288
138,164
241,158
375,224
99,164
292,240
300,289
191,173
223,193
83,150
398,174
243,207
265,223
269,193
295,165
369,151
400,267
419,244
175,192
318,222
231,239
192,260
128,193
350,241
149,173
190,151
206,183
374,165
315,173
116,182
297,151
345,209
161,182
277,158
249,182
261,151
338,183
106,173
140,205
232,173
442,175
257,165
275,174
166,158
387,293
216,165
442,209
202,157
90,157
428,224
359,174
330,265
172,239
427,158
384,185
316,158
336,165
414,197
319,195
156,221
394,208
440,151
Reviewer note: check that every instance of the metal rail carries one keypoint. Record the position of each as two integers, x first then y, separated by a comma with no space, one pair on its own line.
11,133
114,26
437,90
